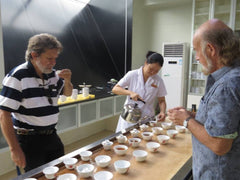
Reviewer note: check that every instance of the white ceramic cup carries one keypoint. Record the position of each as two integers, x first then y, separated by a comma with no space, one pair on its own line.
58,71
85,91
63,98
85,155
75,91
50,172
70,163
74,94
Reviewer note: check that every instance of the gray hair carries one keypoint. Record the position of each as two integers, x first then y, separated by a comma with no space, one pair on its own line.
225,42
40,43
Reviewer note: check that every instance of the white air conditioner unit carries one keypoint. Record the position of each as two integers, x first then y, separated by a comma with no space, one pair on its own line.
175,73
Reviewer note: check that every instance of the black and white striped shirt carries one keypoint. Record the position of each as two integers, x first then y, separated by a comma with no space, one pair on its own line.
27,96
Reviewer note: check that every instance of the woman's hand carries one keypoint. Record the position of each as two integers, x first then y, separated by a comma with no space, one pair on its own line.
161,117
134,96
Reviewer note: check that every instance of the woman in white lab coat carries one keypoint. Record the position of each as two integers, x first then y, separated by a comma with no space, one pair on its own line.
143,83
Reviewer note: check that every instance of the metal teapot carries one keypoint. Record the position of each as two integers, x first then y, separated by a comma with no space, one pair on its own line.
131,113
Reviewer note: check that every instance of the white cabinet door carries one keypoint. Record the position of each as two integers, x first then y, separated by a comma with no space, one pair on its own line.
237,18
226,10
88,112
68,116
118,104
222,11
106,107
201,13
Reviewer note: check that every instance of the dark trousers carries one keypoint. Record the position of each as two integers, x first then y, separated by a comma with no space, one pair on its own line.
40,149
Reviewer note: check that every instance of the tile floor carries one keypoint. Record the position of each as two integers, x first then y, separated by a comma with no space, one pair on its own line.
68,148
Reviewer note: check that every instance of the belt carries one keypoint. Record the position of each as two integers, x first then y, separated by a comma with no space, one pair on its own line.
35,132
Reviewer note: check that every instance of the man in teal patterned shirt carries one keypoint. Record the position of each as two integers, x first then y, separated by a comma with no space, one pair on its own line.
216,127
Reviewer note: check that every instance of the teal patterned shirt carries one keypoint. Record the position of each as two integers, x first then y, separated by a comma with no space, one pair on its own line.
219,113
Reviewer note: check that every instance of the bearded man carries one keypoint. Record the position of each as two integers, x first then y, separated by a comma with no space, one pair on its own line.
216,126
28,104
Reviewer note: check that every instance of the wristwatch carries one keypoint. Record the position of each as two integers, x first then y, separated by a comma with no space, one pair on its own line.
185,122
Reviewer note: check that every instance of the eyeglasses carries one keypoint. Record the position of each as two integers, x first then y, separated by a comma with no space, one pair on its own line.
47,92
49,97
50,100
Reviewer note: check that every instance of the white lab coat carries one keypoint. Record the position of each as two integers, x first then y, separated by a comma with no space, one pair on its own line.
152,89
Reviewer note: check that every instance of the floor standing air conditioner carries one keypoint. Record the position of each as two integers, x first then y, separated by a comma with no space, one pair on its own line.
175,73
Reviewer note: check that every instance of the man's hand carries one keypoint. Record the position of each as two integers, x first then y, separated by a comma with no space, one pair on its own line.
18,157
65,74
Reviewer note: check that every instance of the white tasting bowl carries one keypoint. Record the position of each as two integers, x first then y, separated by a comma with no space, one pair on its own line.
122,166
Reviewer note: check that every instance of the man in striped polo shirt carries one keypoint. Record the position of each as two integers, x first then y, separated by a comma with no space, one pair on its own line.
28,104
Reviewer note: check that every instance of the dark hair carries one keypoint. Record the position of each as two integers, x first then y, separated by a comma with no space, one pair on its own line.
153,57
40,43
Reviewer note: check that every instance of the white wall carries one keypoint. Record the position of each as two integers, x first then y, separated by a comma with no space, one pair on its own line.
140,33
170,25
153,25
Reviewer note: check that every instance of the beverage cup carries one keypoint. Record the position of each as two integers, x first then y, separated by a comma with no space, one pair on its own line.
74,94
85,91
62,98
